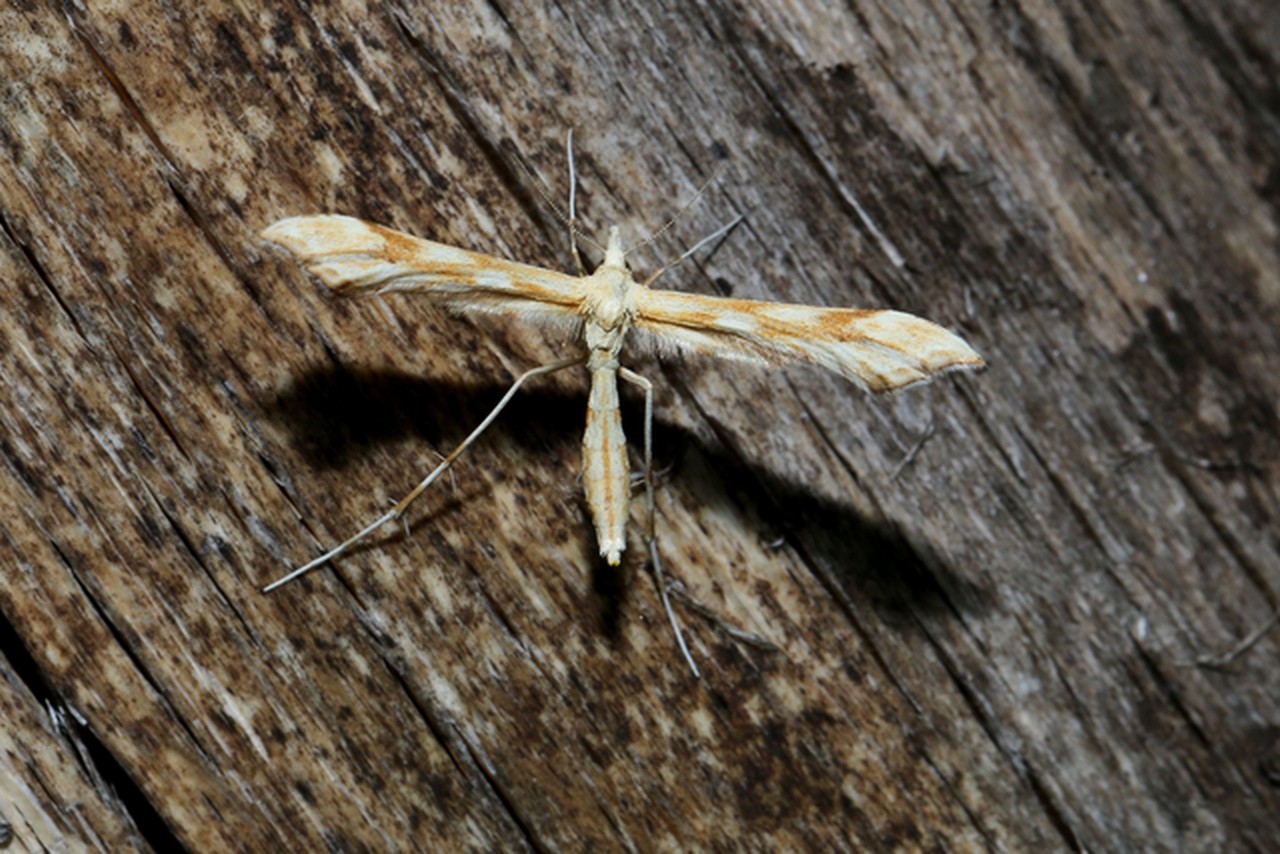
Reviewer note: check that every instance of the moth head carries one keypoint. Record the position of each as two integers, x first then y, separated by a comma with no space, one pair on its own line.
613,254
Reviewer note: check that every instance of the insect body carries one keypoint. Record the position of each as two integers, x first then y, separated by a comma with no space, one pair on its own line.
610,308
878,350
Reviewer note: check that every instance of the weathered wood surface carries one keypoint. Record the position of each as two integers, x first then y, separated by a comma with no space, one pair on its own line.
988,595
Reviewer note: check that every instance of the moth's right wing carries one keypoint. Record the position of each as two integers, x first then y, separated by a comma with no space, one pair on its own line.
879,350
354,257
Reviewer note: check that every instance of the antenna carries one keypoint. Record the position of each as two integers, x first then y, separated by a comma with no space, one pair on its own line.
683,209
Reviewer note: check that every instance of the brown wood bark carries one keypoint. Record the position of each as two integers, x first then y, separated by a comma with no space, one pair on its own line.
988,596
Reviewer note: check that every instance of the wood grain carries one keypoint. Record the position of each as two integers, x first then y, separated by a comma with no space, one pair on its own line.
986,597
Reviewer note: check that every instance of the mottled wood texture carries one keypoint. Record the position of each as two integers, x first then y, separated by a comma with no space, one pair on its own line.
988,595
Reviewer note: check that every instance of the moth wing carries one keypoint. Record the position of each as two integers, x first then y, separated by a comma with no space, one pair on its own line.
879,350
354,257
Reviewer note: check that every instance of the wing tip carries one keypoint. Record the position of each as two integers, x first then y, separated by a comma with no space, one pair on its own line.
940,350
310,235
924,352
958,356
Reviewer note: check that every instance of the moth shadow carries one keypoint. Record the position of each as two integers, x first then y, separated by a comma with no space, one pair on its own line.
870,562
338,415
610,588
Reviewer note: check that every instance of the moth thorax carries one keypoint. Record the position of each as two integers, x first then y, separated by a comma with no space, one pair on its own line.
608,301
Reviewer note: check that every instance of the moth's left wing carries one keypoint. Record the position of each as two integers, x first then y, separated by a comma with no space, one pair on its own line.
355,257
879,350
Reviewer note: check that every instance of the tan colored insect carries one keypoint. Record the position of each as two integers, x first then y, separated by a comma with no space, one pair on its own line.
878,350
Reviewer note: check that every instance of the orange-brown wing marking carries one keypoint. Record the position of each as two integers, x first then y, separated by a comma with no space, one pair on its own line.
355,257
879,350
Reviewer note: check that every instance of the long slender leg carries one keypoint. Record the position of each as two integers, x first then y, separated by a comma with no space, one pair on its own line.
651,523
398,511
